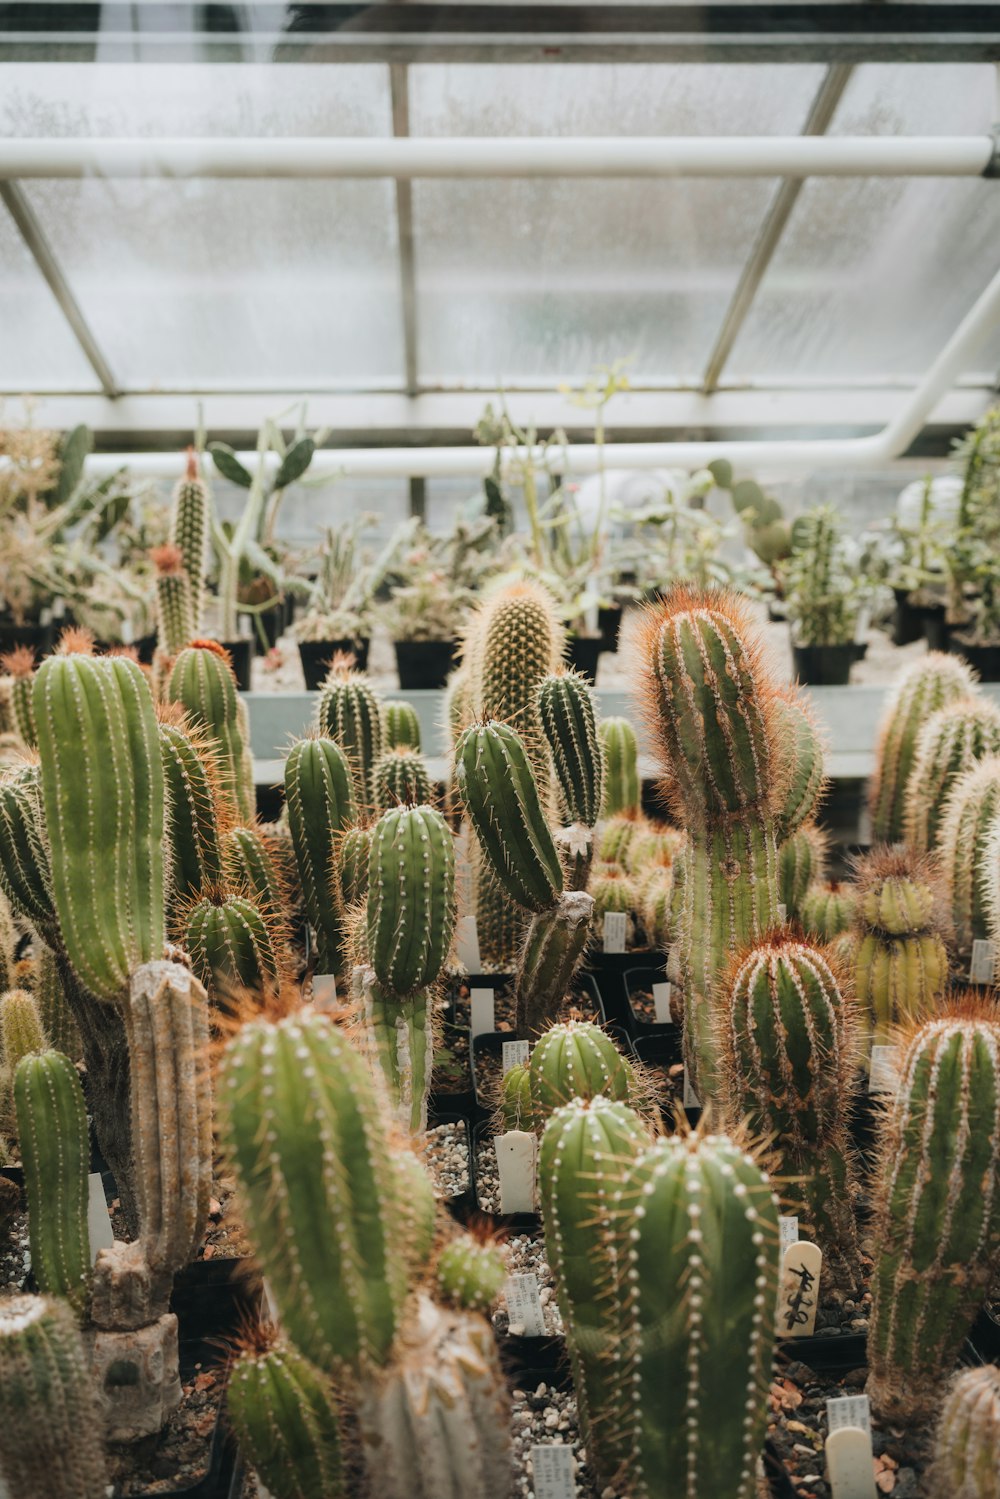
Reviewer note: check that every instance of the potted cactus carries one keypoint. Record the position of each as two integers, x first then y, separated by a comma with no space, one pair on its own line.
824,597
433,582
340,601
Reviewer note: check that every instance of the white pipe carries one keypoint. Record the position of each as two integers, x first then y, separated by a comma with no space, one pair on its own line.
590,156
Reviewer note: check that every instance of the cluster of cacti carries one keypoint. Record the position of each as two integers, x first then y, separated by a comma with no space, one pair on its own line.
950,743
925,687
901,961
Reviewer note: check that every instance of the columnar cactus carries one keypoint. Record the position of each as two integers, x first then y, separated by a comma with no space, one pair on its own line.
787,1039
55,1151
951,742
922,689
21,1028
400,778
937,1210
285,1415
24,859
177,623
566,708
190,779
8,945
19,664
349,712
230,945
576,1059
352,854
799,762
968,1438
711,706
203,683
827,910
553,949
411,898
970,815
399,1035
51,1431
515,1109
470,1275
655,894
622,791
49,993
251,863
801,864
401,726
189,534
320,800
901,962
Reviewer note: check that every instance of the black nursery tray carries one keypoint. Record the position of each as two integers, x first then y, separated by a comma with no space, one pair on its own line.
638,980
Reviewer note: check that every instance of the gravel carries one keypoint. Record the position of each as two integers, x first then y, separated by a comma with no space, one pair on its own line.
526,1256
543,1414
446,1151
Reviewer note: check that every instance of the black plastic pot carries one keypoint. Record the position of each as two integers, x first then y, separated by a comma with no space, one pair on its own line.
41,638
271,622
907,620
241,654
984,659
609,970
937,631
424,663
985,1336
609,623
634,980
584,654
146,646
316,656
827,665
665,1050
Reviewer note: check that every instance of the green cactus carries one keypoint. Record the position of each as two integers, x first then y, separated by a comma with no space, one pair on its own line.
176,621
285,1416
515,1109
617,836
24,860
951,742
55,1151
653,846
655,895
19,664
189,534
937,1210
622,791
827,910
587,1147
901,962
968,1438
250,863
553,949
352,855
349,712
400,726
21,1027
787,1039
411,898
801,864
189,777
401,778
230,945
970,815
51,1426
577,1059
400,1036
613,890
929,684
203,683
470,1275
568,714
49,993
799,761
320,801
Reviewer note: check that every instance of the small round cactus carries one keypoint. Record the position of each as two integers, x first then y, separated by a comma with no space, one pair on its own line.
655,846
400,778
401,726
515,1109
900,962
827,910
968,1438
576,1059
616,837
470,1275
230,945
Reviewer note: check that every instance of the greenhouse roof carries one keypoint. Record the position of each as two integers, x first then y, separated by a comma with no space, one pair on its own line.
254,202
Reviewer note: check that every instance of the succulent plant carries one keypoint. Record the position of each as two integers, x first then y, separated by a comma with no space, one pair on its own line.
922,689
190,779
655,895
576,1059
176,620
901,962
353,851
285,1415
19,664
189,529
231,946
967,1438
470,1275
616,836
568,714
411,898
654,846
55,1152
950,742
400,778
202,682
349,712
799,762
614,890
49,991
401,726
515,1109
553,949
251,863
622,791
827,910
801,864
319,797
21,1029
970,815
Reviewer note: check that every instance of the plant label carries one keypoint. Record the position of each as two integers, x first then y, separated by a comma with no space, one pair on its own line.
884,1074
615,931
324,991
691,1099
800,1267
483,1011
515,1054
782,913
849,1465
98,1217
983,965
862,622
524,1309
661,1003
788,1228
515,1153
244,627
849,1410
552,1471
467,944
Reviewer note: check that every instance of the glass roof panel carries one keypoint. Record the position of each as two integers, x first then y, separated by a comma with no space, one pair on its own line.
37,350
872,276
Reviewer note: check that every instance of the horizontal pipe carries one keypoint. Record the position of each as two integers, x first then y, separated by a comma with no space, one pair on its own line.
591,156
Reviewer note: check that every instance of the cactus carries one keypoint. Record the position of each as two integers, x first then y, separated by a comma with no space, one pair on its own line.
617,836
8,945
250,862
951,742
286,1419
202,682
827,910
553,949
622,792
970,814
711,705
613,890
19,664
576,1059
937,1210
587,1146
189,534
55,1151
349,711
515,1109
351,858
399,1033
566,708
787,1039
49,992
401,726
176,620
400,778
230,945
799,762
655,895
24,860
901,962
968,1438
470,1275
21,1027
320,802
922,689
51,1431
654,846
411,898
190,780
801,863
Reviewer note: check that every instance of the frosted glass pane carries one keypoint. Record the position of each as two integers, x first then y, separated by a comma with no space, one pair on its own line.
871,277
37,350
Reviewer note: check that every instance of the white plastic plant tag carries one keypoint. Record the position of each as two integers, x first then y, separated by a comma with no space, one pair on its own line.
244,627
800,1267
515,1153
782,912
983,965
98,1218
661,1003
884,1074
691,1099
552,1471
515,1054
788,1228
46,616
483,1008
467,944
864,619
524,1309
615,931
849,1410
324,991
849,1465
58,608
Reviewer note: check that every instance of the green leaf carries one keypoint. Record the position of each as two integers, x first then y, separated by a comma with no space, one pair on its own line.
229,465
73,451
722,472
295,462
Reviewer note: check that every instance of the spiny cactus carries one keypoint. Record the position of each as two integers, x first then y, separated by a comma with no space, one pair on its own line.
922,689
176,620
230,945
655,845
655,894
285,1415
616,837
787,1039
801,864
55,1151
189,534
587,1146
400,778
968,1438
515,1109
51,1430
24,858
470,1275
203,683
799,762
8,945
827,910
49,993
970,814
614,890
576,1059
901,962
553,949
411,898
401,726
353,851
937,1210
19,664
349,712
21,1028
190,781
622,791
568,714
250,862
319,797
951,741
400,1042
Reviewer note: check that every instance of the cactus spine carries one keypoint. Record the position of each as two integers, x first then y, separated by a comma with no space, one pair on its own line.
285,1415
901,962
968,1438
349,711
951,741
937,1203
923,688
320,802
55,1151
203,683
970,814
400,778
621,768
401,726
